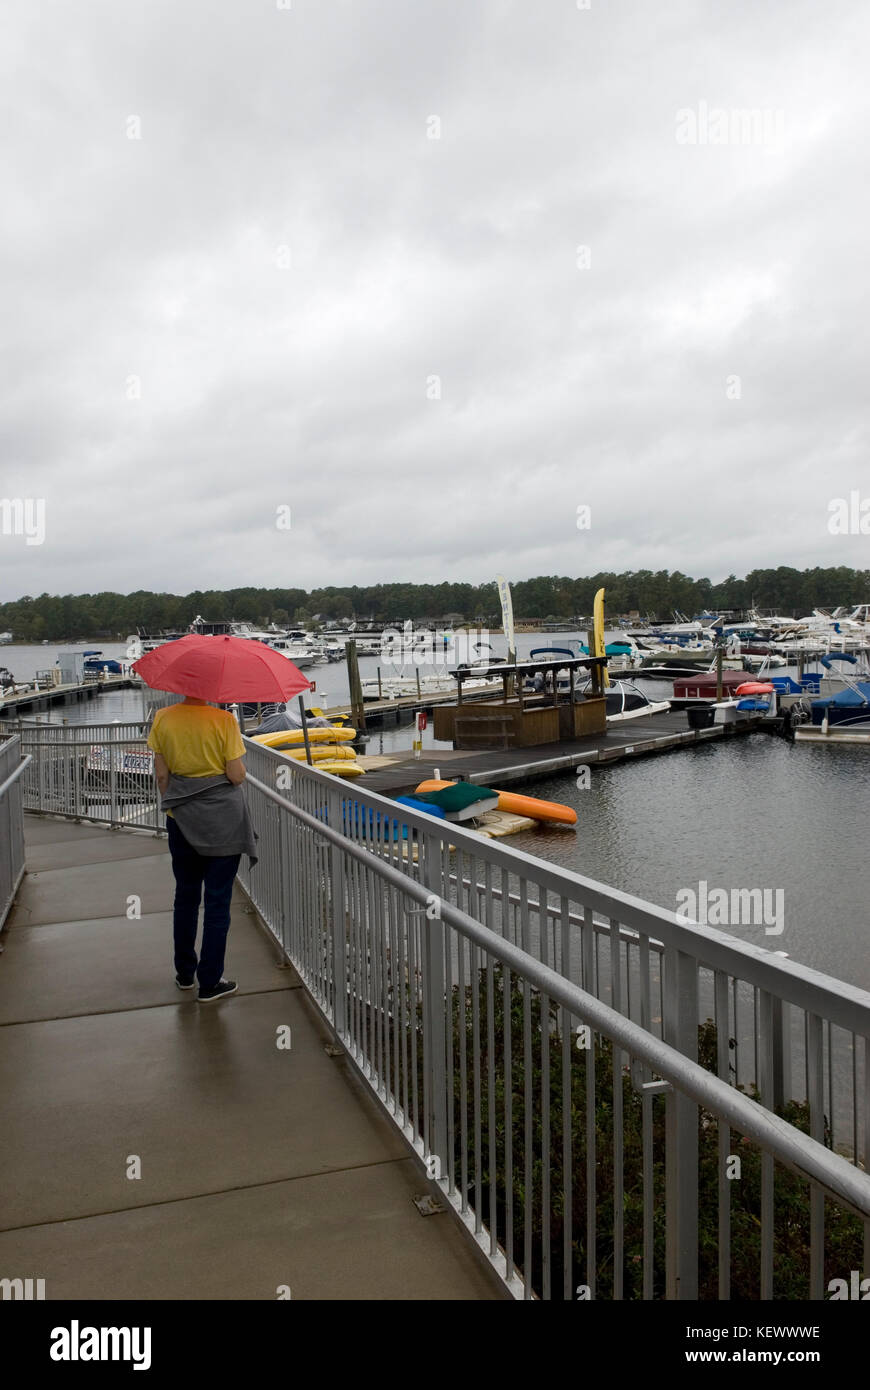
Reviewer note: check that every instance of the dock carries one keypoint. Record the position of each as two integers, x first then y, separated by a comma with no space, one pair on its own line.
31,702
397,774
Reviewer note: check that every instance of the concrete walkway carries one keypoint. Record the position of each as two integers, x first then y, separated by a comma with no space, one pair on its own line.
258,1167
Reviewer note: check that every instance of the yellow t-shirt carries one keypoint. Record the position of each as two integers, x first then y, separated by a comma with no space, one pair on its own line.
196,740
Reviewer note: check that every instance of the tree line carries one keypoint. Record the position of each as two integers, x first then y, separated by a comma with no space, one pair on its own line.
654,595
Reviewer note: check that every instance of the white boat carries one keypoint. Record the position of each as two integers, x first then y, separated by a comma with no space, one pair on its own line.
5,637
326,648
624,701
677,654
247,631
365,646
397,687
296,647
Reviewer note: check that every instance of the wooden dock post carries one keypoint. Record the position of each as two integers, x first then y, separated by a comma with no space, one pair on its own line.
358,713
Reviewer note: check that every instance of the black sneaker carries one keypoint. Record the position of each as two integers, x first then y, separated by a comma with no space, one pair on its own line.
184,984
218,991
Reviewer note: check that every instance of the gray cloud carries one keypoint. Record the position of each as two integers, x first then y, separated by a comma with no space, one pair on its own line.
411,258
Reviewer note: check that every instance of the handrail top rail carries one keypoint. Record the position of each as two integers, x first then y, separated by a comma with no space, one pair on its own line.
14,775
110,725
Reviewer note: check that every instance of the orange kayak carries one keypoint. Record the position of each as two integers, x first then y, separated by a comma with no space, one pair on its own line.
520,805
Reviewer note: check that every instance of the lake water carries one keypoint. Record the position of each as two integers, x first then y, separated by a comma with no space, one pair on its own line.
755,811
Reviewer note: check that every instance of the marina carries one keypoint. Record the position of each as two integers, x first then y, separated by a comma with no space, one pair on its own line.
527,896
528,784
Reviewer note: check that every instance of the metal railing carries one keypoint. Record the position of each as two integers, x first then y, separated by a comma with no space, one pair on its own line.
12,767
579,1071
153,700
457,973
94,772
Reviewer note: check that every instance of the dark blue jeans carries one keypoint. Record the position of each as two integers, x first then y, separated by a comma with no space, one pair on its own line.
192,871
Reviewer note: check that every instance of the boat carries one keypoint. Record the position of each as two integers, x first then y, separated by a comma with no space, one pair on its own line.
97,664
823,683
365,646
400,686
678,654
293,738
702,686
328,647
672,671
297,648
515,803
761,659
624,701
320,752
6,638
843,717
751,698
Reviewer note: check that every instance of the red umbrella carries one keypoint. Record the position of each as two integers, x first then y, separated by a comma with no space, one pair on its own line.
228,670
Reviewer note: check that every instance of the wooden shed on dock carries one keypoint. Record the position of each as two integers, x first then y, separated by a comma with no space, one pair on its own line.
556,711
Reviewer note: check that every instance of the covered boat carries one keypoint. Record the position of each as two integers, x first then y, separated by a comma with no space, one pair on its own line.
843,717
703,686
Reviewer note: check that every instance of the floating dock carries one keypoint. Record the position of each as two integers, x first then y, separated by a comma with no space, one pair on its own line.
35,701
396,774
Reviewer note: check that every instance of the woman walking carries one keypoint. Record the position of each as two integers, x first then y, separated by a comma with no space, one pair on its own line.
198,761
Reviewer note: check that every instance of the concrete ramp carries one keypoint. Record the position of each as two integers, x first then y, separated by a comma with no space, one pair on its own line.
153,1148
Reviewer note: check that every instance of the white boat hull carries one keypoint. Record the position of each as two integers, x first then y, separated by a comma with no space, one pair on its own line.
813,733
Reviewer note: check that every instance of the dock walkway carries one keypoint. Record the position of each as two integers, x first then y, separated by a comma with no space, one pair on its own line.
394,775
260,1168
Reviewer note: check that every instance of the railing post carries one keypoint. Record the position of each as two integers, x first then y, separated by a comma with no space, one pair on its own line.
113,783
435,1008
339,981
781,1043
681,1163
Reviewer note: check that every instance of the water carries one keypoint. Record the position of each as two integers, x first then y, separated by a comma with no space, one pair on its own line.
755,811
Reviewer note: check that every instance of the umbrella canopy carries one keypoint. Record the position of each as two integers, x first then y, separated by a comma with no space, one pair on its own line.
223,669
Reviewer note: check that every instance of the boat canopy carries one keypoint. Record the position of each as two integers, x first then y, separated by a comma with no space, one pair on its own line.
856,695
838,656
612,649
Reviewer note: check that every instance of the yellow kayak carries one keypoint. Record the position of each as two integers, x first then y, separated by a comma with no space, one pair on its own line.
291,738
320,752
341,769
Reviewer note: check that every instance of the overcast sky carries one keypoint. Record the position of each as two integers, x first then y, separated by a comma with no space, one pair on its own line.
254,304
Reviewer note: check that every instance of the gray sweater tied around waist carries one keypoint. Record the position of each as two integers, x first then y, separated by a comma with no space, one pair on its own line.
212,815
